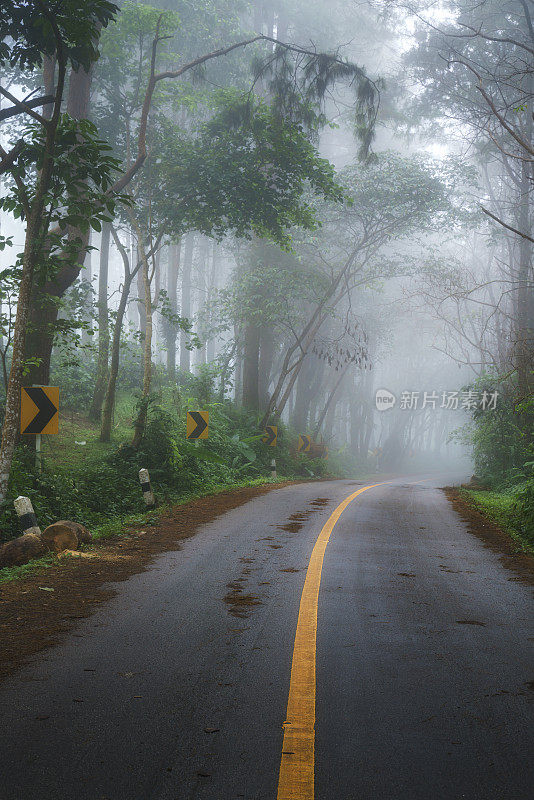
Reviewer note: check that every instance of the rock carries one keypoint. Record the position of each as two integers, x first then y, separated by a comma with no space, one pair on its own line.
84,536
20,551
65,535
59,537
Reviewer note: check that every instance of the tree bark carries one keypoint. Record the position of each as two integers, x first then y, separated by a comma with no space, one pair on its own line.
109,399
140,422
267,352
103,325
44,312
251,370
172,296
32,250
185,354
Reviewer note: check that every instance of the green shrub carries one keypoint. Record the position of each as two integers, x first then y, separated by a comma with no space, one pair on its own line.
524,509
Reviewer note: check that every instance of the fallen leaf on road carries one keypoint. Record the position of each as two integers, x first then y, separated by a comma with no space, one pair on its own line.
46,589
212,730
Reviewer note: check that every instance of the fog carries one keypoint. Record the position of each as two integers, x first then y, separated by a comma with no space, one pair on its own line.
412,280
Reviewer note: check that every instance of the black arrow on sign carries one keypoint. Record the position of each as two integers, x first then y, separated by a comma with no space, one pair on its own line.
200,423
46,410
270,435
305,442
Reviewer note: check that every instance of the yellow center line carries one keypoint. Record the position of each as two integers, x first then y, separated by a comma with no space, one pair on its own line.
297,769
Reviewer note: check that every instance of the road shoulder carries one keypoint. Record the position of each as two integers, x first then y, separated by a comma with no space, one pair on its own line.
494,537
41,607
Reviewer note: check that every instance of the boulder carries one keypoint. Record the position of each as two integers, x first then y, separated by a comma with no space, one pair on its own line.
84,536
20,551
59,537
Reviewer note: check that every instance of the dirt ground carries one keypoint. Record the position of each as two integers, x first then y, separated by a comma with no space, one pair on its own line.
35,611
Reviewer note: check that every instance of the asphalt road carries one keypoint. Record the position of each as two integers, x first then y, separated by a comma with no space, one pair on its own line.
424,661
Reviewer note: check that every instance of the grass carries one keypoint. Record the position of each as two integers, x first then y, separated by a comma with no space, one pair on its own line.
61,453
38,564
499,508
117,526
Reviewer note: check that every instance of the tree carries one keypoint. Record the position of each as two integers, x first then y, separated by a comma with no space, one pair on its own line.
68,31
387,200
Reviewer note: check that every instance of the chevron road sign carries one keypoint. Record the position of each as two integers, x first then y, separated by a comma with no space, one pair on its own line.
271,436
39,410
197,424
305,443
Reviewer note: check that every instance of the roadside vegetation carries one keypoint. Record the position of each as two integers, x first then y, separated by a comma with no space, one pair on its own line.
503,449
221,207
97,483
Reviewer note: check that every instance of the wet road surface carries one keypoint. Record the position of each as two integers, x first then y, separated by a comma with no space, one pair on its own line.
177,689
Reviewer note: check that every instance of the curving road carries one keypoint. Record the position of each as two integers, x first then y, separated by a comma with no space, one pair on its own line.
177,689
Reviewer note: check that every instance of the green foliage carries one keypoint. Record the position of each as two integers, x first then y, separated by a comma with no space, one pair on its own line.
500,438
82,173
98,483
512,509
30,29
523,507
75,377
241,173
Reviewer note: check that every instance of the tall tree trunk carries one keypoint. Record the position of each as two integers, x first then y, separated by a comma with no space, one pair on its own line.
141,302
212,288
185,354
330,404
87,276
140,422
524,360
238,376
109,399
201,274
251,396
103,325
173,270
267,352
30,258
44,312
303,395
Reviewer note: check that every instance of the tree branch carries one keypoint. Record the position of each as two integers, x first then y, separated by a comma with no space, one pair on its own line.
508,227
7,113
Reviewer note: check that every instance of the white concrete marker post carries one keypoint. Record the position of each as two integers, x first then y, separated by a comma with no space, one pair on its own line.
26,515
273,469
146,487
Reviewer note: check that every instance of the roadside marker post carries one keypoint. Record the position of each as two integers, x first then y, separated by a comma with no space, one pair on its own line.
146,488
27,519
273,469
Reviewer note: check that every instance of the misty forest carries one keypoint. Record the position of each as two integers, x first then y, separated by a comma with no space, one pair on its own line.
310,215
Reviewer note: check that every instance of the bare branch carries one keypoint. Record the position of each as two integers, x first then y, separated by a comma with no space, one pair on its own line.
508,227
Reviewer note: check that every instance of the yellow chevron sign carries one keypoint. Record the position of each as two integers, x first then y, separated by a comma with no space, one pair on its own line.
305,443
39,410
